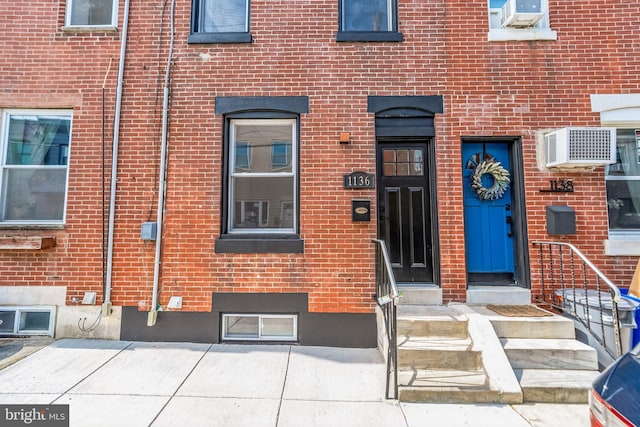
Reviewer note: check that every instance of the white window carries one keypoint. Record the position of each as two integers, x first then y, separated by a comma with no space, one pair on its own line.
519,20
27,320
262,178
623,184
92,13
260,327
34,159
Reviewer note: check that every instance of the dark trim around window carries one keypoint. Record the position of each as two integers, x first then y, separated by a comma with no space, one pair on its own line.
366,36
202,38
369,36
258,107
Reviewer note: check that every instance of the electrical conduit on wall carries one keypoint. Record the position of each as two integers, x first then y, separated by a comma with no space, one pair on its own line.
106,305
153,314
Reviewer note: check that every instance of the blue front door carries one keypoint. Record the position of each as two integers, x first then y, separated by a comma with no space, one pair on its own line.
488,213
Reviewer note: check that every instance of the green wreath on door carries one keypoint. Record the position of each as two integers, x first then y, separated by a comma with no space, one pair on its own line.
500,176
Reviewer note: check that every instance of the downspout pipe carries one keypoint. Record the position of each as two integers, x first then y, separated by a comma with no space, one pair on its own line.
106,304
153,313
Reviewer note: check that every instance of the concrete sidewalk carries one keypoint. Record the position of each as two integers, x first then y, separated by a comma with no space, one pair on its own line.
118,383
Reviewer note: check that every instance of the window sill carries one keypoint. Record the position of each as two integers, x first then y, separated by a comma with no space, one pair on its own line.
368,36
90,29
626,247
529,34
219,38
27,242
259,244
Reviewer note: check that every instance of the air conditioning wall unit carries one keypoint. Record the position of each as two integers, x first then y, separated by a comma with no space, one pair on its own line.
521,13
580,147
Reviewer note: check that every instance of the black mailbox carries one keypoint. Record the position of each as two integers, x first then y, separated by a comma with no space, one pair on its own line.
360,210
561,220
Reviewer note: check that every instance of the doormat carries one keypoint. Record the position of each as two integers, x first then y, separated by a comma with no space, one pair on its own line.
518,310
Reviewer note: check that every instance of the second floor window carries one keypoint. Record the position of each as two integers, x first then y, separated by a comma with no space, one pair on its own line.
220,21
368,21
91,13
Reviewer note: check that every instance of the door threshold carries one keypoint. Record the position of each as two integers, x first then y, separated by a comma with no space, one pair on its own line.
416,285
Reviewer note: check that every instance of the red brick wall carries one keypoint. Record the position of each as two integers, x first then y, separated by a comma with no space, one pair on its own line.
489,89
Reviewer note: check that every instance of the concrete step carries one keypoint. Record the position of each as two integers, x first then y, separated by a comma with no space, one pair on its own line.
442,378
555,386
498,294
430,321
437,353
549,354
455,395
420,295
529,327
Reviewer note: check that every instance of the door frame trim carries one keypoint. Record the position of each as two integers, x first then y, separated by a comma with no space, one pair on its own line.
431,184
522,271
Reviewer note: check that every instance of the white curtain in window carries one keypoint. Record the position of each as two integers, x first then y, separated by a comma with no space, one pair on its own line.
225,16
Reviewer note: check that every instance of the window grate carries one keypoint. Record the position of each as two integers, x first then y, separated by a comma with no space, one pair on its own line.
590,144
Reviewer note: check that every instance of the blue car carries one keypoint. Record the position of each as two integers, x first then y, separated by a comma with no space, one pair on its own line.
615,396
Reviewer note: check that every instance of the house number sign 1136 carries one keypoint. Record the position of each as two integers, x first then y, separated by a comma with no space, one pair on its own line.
359,180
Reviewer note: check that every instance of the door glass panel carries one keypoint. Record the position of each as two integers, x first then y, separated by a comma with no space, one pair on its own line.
403,162
417,227
394,225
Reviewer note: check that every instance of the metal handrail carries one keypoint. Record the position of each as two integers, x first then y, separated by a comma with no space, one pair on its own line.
387,296
616,296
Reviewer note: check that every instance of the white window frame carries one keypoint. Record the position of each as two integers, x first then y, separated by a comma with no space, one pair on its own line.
26,309
623,234
113,24
4,140
231,201
260,337
540,31
621,111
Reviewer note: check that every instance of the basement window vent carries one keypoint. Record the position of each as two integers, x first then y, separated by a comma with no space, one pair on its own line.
36,320
260,327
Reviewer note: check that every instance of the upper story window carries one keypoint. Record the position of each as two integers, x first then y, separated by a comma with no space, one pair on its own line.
34,150
91,13
262,194
220,21
623,183
368,20
519,20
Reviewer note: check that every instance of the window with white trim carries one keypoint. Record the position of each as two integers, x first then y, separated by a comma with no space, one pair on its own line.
262,176
27,320
260,327
34,159
519,20
623,184
91,13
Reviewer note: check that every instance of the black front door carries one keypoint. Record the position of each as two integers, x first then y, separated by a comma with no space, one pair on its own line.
404,210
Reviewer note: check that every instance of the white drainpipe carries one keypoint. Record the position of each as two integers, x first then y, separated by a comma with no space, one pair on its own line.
106,304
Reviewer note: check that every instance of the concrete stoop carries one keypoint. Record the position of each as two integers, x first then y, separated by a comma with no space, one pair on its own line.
550,364
439,361
469,354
